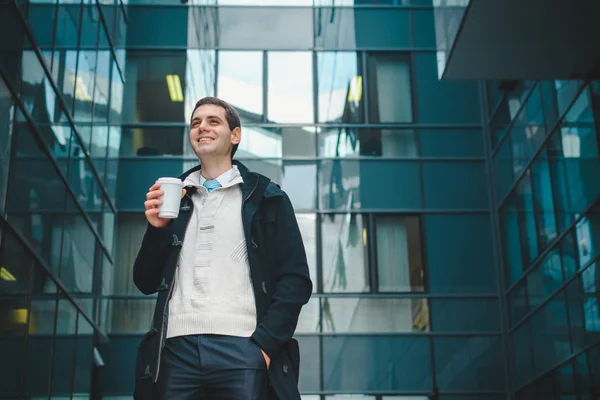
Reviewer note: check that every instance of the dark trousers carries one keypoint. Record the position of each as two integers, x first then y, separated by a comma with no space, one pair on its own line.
211,367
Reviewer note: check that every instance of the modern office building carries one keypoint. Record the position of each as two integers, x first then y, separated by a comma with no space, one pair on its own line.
451,216
541,68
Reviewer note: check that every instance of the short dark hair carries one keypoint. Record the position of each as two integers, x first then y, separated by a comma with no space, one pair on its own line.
231,115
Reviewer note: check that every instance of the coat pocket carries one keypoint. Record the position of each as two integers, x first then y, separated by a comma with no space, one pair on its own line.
145,367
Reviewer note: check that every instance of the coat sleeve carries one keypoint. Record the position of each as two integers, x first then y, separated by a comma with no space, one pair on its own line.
293,285
151,259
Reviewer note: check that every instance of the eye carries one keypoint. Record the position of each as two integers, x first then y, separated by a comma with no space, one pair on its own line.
214,121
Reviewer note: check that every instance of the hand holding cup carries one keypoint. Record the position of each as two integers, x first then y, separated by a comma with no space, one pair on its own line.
162,201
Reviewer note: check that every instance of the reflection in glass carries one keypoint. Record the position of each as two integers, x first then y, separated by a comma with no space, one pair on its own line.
116,95
340,90
364,315
389,88
290,100
542,197
200,70
154,89
150,141
101,91
308,322
308,229
259,142
6,126
545,279
369,363
469,364
527,226
575,166
83,85
129,232
345,266
299,180
131,315
399,263
343,142
265,27
240,83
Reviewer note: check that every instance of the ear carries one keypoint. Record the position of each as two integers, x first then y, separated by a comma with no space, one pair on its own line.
236,135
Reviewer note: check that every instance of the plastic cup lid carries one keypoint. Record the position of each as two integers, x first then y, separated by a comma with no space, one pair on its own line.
169,180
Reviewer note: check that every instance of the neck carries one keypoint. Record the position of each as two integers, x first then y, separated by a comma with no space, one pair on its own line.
212,169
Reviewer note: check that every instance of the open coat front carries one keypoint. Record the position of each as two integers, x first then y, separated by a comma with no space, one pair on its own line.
278,270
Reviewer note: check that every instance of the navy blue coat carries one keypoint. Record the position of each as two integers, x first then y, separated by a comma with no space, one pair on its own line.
278,270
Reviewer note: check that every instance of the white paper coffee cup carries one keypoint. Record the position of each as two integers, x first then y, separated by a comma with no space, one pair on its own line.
171,197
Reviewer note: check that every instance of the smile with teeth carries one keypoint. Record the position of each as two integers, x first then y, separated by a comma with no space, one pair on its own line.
205,140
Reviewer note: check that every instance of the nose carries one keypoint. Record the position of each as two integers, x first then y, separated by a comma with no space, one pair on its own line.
203,127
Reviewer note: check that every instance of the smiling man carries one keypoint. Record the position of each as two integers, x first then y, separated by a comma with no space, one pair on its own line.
231,276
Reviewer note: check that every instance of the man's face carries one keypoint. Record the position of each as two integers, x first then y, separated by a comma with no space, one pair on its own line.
210,134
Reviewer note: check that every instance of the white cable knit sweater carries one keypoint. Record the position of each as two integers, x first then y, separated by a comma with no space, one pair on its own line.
213,292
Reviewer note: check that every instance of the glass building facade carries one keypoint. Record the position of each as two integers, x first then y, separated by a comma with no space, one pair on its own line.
452,227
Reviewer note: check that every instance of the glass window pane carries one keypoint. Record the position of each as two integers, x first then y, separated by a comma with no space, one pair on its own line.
452,185
83,356
129,232
67,26
6,125
424,28
362,184
399,262
290,100
89,26
379,356
474,315
521,346
101,91
443,101
545,279
308,228
527,223
575,165
83,85
503,170
116,95
131,190
549,328
352,28
309,320
511,241
310,364
517,302
258,142
340,92
146,27
469,364
459,254
451,142
265,27
151,141
240,83
40,18
16,266
345,267
390,93
154,87
200,77
42,315
131,315
544,202
297,178
64,351
364,315
350,142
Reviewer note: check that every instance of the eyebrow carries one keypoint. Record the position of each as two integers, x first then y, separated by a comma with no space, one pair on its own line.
209,117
